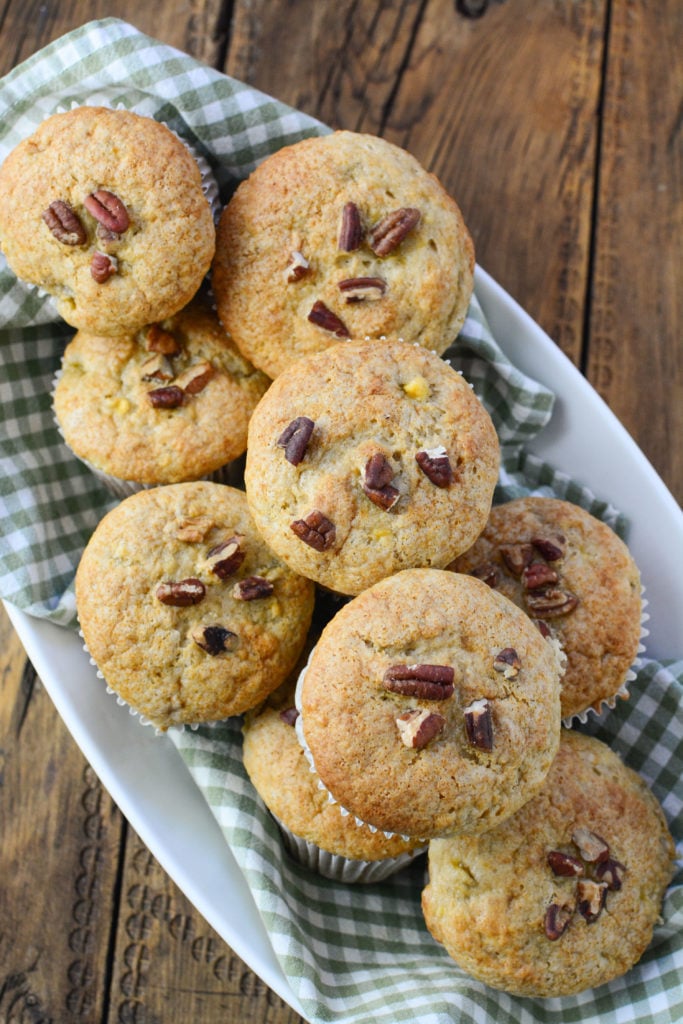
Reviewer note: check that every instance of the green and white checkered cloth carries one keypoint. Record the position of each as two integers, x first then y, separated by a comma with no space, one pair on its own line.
352,954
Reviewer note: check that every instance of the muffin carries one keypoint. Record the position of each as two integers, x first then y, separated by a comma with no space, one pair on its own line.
430,705
314,830
565,894
104,210
340,236
165,404
185,611
577,580
367,459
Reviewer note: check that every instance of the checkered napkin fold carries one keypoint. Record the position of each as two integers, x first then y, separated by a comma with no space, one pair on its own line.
351,954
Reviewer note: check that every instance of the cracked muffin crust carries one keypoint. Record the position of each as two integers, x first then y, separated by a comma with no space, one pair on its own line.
165,404
185,611
104,209
430,705
366,459
564,895
340,236
575,577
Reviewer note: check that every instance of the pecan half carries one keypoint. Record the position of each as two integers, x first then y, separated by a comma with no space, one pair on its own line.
377,482
418,727
225,558
316,530
251,588
436,465
428,682
391,230
610,871
487,572
181,593
508,662
289,715
479,724
166,398
103,266
538,574
195,378
552,548
159,340
557,918
564,864
64,223
590,898
551,602
297,267
323,317
516,556
157,367
108,210
360,289
591,846
294,439
215,639
350,228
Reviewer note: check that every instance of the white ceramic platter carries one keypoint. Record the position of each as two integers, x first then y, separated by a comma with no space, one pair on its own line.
146,776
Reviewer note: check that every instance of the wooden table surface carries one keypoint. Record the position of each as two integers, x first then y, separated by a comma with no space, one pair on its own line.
558,127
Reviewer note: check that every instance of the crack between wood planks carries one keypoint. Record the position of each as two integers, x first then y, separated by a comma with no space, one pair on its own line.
224,29
389,103
595,204
110,958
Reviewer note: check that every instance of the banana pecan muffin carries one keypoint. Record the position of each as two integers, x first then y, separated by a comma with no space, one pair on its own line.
564,895
314,830
104,209
430,705
165,404
576,578
340,236
363,460
185,611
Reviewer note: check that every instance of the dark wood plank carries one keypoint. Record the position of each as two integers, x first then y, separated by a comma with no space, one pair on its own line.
635,357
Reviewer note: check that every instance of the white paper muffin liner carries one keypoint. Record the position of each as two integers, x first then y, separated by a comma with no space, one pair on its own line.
342,869
609,703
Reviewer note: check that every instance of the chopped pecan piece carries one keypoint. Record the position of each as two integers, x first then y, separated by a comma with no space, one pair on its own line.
64,223
102,266
543,628
487,572
215,639
552,548
225,558
551,602
427,682
418,727
294,439
590,898
479,724
391,230
350,229
508,662
159,340
377,482
181,593
591,846
538,574
564,864
516,557
323,317
251,588
157,367
289,715
194,529
610,871
108,210
557,918
360,289
195,378
436,465
298,267
170,397
316,530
